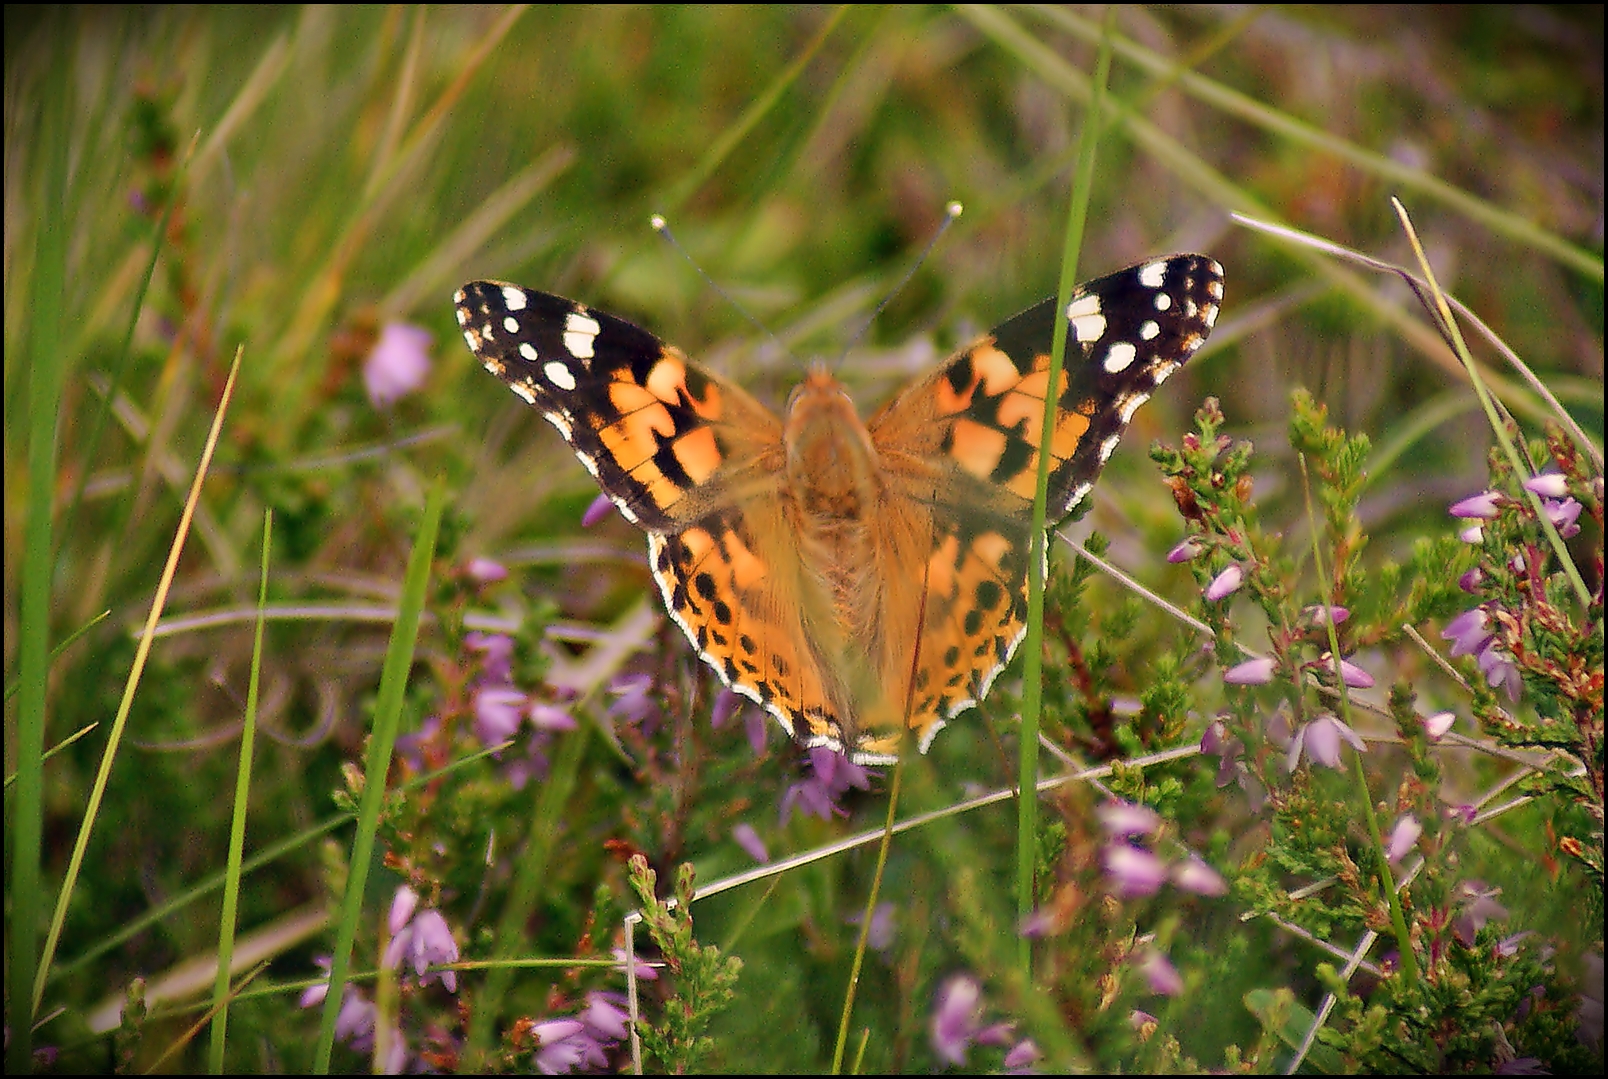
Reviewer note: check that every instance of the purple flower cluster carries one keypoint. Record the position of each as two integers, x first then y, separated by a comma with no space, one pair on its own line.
584,1041
1133,870
1471,635
501,709
423,939
398,364
957,1025
832,775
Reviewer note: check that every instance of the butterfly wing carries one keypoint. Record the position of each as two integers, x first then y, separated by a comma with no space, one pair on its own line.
689,457
962,450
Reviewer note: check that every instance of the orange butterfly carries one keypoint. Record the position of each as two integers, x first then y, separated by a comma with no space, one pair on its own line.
856,578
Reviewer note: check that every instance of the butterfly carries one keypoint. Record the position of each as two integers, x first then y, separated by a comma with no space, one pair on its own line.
858,579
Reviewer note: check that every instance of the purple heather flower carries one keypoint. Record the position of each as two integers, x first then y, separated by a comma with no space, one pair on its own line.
831,776
398,363
957,1018
883,925
1134,872
1469,632
1122,819
644,971
1217,742
1548,485
1500,671
1320,741
1351,674
354,1024
1437,725
1564,516
402,907
486,571
603,1017
749,840
1139,1019
498,713
1472,534
1464,813
550,717
1320,614
1021,1056
565,1044
599,509
727,704
1040,923
1403,836
1470,581
1508,946
956,1015
634,702
1479,907
426,941
1185,550
1196,876
1225,583
432,946
497,666
757,729
1482,506
410,746
1160,974
1253,672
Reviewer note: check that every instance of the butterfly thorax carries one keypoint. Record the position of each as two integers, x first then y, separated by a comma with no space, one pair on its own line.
831,464
834,487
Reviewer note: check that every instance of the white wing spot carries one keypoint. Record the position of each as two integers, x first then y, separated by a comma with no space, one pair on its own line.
1210,316
1079,492
1119,356
1149,331
564,423
1129,406
523,388
1107,446
513,297
511,324
463,314
559,375
580,329
1163,302
528,351
1088,324
588,460
1153,275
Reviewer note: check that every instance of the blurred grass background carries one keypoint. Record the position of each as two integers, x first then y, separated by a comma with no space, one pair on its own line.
352,166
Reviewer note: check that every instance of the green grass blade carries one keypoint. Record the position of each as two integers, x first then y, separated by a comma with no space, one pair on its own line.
45,380
387,718
237,825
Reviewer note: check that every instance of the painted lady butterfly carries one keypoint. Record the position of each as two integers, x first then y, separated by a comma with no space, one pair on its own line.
854,578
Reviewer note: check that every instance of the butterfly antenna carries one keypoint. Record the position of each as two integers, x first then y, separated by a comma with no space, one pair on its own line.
952,211
662,227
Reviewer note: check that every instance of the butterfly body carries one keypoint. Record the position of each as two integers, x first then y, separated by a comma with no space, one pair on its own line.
856,578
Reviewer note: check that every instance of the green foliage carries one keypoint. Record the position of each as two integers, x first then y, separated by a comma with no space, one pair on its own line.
704,979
